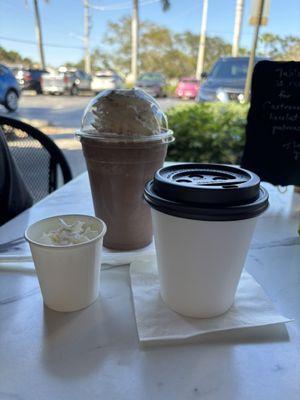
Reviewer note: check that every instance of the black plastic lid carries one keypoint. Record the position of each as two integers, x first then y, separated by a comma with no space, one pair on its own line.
209,192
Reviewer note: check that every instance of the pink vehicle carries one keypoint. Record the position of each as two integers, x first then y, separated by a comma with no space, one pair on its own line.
187,88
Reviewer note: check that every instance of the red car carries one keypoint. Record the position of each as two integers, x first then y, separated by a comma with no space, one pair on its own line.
187,88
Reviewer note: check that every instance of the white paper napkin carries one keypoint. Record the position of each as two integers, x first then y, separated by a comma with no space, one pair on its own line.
156,323
22,256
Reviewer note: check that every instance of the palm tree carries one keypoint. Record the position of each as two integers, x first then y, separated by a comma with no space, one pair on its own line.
38,31
86,38
258,20
166,4
135,35
201,51
239,8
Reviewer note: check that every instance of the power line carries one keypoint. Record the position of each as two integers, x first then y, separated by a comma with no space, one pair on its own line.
213,32
34,43
121,6
117,6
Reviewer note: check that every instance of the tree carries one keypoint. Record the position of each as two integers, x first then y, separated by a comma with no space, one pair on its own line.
38,30
99,61
270,45
166,4
134,40
173,54
279,48
86,37
292,50
239,9
13,57
202,40
135,35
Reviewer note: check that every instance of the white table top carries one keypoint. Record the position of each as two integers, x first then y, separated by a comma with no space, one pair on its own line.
95,353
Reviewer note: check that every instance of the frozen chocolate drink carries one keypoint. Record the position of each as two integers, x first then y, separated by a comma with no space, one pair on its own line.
124,138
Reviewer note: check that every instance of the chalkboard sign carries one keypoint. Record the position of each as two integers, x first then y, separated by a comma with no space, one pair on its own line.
272,147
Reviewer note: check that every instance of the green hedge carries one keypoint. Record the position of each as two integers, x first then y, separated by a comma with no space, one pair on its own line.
207,132
171,90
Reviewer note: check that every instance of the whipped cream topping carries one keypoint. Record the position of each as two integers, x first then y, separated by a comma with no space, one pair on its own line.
124,112
68,234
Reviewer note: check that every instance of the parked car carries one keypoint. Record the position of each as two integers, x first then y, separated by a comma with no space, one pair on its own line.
30,78
9,89
226,81
153,83
103,80
187,88
66,82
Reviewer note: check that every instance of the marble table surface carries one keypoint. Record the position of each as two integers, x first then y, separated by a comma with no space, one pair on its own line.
95,353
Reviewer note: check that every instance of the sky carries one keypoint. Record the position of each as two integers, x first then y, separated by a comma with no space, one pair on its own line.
62,22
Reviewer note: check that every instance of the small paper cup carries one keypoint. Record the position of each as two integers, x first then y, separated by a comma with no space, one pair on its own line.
69,276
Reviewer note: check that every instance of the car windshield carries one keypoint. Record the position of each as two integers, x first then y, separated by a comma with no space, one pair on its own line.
151,77
231,69
194,81
104,76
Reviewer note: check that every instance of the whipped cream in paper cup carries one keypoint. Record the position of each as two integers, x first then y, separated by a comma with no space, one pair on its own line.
66,252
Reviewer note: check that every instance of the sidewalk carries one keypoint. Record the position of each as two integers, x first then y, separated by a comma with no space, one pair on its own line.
66,141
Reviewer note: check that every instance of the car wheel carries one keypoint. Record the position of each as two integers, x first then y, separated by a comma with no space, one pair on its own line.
11,100
39,90
74,90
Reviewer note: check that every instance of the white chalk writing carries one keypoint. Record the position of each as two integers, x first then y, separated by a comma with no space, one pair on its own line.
294,147
285,128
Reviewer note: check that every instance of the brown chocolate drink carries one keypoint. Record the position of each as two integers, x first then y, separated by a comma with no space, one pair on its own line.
120,163
118,174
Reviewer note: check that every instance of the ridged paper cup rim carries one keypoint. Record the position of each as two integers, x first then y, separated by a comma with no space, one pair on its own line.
49,246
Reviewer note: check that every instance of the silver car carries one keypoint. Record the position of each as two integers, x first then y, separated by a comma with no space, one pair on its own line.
66,82
104,80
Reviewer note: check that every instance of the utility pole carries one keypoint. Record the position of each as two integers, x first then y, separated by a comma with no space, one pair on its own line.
38,31
253,50
134,40
87,55
237,27
201,51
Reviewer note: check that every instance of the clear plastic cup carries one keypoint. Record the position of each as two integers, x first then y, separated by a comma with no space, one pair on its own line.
124,138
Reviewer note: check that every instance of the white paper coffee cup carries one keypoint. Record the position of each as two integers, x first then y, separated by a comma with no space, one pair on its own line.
200,262
69,276
204,216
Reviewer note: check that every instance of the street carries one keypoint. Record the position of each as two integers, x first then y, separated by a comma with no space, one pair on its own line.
62,111
59,117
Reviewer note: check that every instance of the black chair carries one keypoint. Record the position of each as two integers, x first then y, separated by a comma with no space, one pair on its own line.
42,164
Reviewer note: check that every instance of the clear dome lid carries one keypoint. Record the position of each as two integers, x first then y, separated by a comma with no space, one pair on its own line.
124,115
